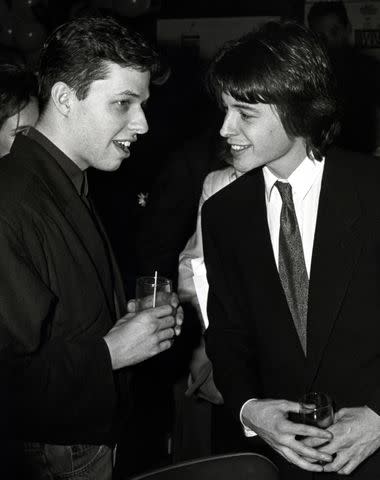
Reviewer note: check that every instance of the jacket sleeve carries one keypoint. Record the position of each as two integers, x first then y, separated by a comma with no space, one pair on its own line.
49,384
228,342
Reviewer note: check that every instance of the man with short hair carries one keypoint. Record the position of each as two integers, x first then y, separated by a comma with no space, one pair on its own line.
67,343
292,254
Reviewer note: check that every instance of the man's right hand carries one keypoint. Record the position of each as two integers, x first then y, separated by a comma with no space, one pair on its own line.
139,336
269,419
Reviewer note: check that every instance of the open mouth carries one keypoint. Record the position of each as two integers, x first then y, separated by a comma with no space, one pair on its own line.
123,145
238,148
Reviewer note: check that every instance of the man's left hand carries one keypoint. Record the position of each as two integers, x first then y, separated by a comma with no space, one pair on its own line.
174,302
356,434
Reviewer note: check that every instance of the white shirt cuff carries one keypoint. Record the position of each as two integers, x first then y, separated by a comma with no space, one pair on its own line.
248,432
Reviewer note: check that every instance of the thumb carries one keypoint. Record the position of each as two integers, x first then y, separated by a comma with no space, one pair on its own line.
313,442
131,306
339,414
288,406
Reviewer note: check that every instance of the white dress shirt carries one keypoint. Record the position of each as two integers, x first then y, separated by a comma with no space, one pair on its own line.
306,186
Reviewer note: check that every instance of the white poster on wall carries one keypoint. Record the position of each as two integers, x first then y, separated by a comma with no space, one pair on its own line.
204,35
364,17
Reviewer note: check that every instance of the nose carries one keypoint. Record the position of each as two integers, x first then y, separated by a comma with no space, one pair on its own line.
229,125
139,123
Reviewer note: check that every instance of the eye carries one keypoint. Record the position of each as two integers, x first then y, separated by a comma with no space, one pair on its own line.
246,116
123,104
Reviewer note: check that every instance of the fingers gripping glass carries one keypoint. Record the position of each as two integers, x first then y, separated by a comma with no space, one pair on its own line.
317,410
152,291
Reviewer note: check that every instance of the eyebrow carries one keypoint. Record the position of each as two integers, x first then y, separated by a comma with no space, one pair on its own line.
245,106
130,93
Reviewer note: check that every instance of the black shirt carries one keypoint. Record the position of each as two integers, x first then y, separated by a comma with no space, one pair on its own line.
80,182
76,175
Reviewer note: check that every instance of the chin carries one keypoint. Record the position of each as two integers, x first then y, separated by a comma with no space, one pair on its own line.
113,164
244,167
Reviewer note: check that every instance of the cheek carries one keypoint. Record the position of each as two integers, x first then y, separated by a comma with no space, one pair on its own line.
92,131
277,137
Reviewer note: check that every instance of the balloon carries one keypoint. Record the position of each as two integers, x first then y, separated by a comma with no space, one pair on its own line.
130,8
28,36
6,34
6,28
23,8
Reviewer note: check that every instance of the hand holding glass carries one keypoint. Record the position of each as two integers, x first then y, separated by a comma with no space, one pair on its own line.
152,292
317,410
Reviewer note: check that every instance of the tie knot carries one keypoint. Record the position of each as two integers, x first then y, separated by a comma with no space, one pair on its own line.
285,190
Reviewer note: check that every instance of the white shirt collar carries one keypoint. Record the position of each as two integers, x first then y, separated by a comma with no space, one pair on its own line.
301,180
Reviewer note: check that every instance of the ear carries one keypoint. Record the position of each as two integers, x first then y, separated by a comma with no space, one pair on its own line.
62,96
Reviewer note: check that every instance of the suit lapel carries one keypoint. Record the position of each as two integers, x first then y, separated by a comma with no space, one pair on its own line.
119,292
262,274
336,249
80,219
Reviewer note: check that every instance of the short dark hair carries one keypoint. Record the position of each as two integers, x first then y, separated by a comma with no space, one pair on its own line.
17,86
76,53
323,9
286,65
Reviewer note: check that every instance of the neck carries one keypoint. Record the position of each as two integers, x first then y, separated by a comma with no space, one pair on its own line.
284,166
55,131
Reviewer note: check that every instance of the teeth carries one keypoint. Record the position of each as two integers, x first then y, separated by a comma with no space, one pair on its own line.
123,145
238,148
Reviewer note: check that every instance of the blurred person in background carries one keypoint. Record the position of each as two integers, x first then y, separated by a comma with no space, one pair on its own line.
18,103
358,77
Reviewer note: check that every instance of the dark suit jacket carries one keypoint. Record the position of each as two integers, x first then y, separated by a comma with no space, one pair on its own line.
252,340
54,308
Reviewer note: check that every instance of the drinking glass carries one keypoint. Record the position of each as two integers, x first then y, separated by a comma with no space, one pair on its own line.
152,292
317,410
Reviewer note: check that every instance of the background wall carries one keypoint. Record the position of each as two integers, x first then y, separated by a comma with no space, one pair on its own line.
203,36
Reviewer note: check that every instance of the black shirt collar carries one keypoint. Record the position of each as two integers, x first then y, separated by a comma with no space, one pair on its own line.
76,175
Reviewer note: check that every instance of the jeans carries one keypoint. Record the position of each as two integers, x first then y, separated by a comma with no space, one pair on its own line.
65,462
